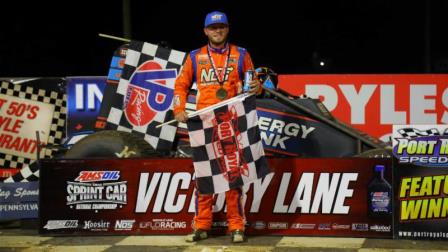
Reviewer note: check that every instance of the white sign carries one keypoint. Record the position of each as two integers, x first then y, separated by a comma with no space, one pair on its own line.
19,120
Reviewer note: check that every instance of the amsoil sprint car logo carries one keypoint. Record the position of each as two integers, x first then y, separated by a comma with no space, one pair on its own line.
227,145
150,91
95,190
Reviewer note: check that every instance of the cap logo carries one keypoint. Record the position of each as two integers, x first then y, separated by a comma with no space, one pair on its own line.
216,17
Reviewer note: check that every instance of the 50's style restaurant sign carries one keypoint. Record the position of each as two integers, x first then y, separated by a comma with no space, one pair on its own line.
326,197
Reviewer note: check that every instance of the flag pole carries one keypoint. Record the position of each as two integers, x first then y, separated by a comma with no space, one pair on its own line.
113,37
165,123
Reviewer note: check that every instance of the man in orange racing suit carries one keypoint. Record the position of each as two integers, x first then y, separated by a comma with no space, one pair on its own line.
218,69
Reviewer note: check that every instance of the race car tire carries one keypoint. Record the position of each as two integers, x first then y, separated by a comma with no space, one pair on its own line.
111,144
376,153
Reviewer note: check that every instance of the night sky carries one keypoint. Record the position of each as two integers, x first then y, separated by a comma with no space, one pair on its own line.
371,36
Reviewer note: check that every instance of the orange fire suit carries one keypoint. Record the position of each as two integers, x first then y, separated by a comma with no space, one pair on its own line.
199,69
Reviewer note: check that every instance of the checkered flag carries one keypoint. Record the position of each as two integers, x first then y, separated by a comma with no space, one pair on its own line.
413,132
142,99
28,173
227,148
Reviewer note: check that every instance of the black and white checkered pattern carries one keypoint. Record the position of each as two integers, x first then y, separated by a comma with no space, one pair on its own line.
138,53
214,148
413,132
27,174
57,128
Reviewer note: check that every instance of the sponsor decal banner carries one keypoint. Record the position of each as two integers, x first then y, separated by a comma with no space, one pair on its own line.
19,200
325,197
420,176
375,102
84,96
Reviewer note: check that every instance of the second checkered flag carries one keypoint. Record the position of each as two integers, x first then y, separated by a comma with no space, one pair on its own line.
227,148
142,98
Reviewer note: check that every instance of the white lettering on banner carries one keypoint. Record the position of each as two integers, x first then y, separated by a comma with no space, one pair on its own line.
145,193
275,132
4,194
161,192
302,196
326,193
388,114
358,100
96,192
279,207
165,187
273,140
25,206
332,189
328,94
260,187
418,100
444,118
344,192
420,105
93,94
58,224
170,206
22,192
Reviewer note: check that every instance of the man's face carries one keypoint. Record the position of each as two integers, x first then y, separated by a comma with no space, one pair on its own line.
217,33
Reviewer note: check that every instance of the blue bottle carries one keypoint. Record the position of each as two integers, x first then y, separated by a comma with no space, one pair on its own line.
379,194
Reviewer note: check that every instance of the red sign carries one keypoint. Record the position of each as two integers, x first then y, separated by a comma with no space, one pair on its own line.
374,102
325,197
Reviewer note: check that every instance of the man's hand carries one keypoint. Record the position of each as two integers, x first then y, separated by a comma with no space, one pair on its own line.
239,87
181,117
255,86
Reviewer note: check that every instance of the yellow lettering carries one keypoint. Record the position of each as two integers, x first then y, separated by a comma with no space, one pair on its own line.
415,186
437,181
404,186
402,144
444,208
424,209
431,145
410,209
421,147
443,146
412,147
426,189
435,205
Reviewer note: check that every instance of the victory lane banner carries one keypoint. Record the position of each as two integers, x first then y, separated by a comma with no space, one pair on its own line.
421,181
324,197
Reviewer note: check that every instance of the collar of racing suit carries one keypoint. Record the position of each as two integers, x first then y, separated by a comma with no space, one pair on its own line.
218,50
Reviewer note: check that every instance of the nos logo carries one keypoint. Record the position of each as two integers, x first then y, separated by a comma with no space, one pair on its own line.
150,91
